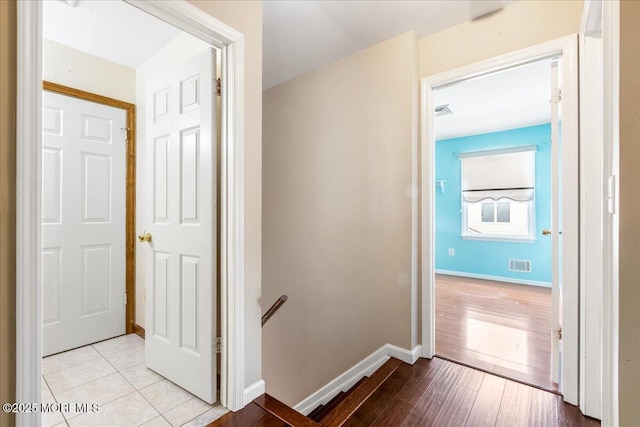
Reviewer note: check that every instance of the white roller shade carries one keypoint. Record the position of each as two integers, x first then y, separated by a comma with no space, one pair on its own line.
495,174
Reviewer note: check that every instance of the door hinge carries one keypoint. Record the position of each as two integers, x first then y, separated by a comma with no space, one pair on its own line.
218,345
559,333
556,96
218,86
125,298
126,133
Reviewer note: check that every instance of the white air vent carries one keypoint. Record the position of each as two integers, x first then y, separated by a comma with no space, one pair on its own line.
443,110
520,265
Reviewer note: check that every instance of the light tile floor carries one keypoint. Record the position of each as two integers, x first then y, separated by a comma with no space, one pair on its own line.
112,374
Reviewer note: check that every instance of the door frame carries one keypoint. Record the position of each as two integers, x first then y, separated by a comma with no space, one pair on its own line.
611,220
593,209
568,48
194,21
130,197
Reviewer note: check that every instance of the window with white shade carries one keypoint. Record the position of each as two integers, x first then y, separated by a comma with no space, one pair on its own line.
498,194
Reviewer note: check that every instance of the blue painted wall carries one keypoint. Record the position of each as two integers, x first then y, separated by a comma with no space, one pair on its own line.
486,257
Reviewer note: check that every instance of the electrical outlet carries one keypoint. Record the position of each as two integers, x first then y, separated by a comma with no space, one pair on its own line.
452,252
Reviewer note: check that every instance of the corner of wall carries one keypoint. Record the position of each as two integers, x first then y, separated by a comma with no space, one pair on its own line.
253,391
365,367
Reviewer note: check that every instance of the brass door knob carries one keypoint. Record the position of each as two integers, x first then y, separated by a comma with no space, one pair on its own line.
145,237
547,232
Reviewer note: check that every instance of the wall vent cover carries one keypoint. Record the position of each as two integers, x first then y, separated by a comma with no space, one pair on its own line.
520,265
443,110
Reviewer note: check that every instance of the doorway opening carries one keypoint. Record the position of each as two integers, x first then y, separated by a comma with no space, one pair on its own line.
29,180
494,200
493,257
89,170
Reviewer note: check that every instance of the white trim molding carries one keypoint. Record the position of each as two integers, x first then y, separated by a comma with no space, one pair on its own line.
407,356
593,209
494,278
254,390
611,228
28,212
192,20
348,378
566,49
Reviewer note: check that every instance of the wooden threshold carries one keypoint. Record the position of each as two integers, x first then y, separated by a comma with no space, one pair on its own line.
283,412
553,390
250,415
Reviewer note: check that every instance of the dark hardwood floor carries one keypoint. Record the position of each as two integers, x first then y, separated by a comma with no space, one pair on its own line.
438,392
502,328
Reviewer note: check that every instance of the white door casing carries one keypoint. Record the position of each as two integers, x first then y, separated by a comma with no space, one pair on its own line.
566,50
83,222
594,211
556,315
181,197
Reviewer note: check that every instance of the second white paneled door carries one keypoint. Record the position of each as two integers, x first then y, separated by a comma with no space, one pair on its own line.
181,226
83,222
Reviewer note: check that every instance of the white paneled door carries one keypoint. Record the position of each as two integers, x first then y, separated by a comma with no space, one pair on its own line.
83,222
181,218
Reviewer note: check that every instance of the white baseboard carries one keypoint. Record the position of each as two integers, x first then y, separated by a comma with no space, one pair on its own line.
407,356
494,278
347,379
254,390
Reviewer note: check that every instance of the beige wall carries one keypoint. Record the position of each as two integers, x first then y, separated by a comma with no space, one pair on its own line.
629,362
80,70
517,26
342,258
337,216
7,207
246,17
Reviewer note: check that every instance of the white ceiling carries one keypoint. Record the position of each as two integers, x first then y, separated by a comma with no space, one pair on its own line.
110,29
506,100
300,36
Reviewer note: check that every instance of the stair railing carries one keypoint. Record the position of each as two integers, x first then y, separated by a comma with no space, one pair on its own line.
275,307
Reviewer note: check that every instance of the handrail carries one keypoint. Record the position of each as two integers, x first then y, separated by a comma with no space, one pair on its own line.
276,305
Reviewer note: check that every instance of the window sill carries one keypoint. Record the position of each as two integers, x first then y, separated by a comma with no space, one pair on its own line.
505,239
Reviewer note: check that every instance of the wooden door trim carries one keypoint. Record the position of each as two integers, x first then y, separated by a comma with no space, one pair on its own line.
130,212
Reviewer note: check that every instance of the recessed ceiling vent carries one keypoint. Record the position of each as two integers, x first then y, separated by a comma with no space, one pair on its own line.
443,110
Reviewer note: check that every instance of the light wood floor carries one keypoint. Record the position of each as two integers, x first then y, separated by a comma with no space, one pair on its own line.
498,327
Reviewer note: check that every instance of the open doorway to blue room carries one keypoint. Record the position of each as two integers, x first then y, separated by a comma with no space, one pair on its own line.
494,257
